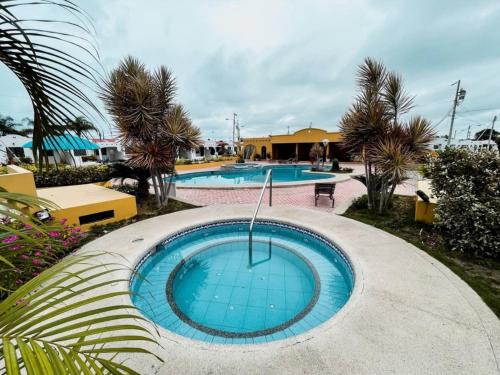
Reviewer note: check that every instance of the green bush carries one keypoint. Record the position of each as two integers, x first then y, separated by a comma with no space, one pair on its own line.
335,165
467,185
63,176
360,203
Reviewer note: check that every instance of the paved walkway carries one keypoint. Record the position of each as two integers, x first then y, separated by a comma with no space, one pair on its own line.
408,313
300,196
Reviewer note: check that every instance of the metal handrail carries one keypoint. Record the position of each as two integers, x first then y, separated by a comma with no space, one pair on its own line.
269,177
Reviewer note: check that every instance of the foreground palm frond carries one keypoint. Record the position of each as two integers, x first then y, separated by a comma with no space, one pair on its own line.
43,61
64,322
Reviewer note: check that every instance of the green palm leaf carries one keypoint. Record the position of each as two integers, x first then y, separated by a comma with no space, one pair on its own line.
51,76
59,321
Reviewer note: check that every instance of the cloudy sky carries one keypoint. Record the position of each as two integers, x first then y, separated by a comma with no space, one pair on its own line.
281,64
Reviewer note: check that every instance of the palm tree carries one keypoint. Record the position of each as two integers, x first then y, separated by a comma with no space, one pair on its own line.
59,322
373,131
38,56
80,126
316,153
151,126
9,126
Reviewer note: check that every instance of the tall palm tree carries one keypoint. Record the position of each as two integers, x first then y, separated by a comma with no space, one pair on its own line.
372,129
39,56
80,126
151,126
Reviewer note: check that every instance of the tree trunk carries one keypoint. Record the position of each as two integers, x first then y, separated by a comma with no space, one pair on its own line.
142,188
155,187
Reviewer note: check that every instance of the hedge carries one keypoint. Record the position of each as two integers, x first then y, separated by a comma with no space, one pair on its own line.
467,185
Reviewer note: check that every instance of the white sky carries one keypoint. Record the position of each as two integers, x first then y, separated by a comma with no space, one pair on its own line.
288,63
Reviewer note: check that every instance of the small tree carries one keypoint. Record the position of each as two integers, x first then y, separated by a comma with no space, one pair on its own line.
152,127
316,153
467,185
373,131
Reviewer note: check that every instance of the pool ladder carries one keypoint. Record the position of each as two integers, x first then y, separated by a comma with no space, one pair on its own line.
269,178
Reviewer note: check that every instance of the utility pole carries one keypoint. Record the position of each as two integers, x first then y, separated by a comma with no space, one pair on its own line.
234,129
491,131
459,97
468,132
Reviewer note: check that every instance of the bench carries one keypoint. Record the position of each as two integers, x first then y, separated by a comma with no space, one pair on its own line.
325,190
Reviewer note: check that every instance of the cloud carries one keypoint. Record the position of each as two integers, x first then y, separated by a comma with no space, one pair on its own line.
289,63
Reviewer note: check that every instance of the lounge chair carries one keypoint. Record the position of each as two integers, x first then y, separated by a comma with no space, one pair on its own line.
324,189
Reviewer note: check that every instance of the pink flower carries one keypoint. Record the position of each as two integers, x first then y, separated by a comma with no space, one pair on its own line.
36,262
24,257
19,281
16,247
10,239
38,254
53,234
19,301
36,273
63,221
27,226
75,230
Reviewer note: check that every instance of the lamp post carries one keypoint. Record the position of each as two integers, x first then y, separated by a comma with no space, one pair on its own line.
325,144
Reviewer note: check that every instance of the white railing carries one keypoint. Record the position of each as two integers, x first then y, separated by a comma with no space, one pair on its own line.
269,177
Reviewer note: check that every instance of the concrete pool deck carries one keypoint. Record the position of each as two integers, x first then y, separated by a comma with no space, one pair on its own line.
408,314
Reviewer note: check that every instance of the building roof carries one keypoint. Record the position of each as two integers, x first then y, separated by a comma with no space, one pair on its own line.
64,143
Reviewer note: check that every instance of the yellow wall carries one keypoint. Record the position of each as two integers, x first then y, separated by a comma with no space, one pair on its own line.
307,135
125,208
190,167
424,212
18,180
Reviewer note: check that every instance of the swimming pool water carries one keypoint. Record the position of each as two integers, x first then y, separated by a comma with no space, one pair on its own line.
200,283
281,173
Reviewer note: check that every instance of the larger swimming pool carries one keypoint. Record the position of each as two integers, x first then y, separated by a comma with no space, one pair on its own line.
257,175
203,284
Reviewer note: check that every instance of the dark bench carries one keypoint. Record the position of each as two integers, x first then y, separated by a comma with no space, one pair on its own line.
324,189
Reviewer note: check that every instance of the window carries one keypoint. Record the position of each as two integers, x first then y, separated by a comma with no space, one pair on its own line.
98,216
436,147
80,152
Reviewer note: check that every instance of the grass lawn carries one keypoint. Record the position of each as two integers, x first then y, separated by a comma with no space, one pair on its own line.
482,275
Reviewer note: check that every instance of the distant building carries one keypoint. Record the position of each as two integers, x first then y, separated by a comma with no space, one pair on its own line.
294,146
12,146
110,149
440,143
75,150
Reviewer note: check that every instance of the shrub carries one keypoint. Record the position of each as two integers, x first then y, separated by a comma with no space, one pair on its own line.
26,160
126,188
467,185
360,203
63,176
53,243
335,165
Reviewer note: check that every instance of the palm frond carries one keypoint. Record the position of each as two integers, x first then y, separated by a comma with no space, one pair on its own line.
397,100
62,322
50,75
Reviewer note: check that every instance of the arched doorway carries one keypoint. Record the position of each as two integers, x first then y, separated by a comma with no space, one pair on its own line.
263,153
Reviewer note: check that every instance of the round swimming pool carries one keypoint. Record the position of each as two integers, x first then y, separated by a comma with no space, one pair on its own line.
250,176
204,284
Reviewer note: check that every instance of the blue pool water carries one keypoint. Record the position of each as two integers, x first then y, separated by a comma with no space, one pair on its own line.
201,283
281,173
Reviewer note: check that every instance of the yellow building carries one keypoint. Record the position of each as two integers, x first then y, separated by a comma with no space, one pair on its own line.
83,205
294,146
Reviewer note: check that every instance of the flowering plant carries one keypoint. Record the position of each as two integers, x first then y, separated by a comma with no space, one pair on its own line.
32,248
